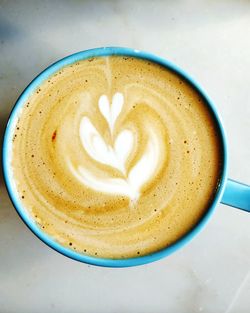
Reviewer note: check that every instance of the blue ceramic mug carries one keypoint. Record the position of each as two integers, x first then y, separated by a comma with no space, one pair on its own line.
229,192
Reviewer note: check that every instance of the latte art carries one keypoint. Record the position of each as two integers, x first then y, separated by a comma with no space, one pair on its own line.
115,157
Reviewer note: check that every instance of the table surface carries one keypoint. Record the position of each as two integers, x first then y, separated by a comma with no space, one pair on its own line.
210,40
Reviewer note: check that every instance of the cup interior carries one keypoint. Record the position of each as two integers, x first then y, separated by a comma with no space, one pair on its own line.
10,183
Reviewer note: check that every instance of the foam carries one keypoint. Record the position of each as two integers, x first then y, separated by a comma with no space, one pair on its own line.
131,182
115,157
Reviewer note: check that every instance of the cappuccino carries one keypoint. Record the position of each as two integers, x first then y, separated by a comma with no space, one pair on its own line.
116,157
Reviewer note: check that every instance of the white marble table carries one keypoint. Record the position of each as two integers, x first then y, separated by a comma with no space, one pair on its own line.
209,39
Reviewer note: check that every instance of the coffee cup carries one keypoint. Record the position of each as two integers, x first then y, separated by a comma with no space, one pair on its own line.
226,191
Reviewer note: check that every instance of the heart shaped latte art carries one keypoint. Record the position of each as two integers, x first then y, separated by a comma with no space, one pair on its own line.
93,142
116,155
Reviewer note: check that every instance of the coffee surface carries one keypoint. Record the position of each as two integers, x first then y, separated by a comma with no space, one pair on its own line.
115,157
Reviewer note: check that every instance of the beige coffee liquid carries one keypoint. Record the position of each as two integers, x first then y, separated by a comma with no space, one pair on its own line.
116,157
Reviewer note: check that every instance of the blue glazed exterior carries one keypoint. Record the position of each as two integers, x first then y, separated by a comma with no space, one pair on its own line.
237,195
31,224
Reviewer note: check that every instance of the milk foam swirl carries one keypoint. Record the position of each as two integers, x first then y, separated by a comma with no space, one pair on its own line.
115,156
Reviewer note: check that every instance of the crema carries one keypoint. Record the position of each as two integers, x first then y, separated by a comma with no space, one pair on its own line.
116,156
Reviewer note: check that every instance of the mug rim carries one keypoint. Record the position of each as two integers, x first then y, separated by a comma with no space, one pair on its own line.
30,223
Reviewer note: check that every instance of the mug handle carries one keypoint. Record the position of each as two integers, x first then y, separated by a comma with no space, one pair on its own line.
237,195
